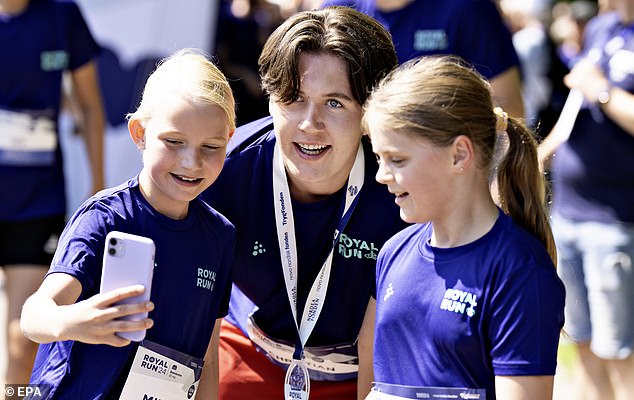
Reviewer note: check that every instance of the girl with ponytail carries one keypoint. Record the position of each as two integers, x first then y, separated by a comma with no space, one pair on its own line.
468,302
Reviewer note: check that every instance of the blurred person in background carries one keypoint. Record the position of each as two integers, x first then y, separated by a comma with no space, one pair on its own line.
243,27
528,25
568,23
543,91
593,213
471,29
40,40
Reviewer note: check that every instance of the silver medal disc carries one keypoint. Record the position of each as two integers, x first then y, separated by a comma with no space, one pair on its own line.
297,381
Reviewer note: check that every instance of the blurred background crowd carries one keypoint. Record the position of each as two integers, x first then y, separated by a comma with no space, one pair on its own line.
135,34
546,35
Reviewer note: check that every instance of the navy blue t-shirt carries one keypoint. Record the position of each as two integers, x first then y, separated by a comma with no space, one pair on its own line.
187,301
458,317
36,47
471,29
244,194
593,172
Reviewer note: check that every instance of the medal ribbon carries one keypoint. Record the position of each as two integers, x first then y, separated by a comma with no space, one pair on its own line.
287,243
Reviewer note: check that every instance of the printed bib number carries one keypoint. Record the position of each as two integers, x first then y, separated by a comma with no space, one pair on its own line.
331,361
162,373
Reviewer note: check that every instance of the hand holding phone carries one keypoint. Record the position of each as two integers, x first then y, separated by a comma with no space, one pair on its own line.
128,260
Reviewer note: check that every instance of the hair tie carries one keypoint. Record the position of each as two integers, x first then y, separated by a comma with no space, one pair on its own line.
501,119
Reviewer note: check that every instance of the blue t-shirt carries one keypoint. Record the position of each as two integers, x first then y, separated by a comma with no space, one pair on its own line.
593,172
244,194
187,301
36,46
471,29
457,317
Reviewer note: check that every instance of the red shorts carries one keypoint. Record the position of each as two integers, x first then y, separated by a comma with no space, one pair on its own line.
247,374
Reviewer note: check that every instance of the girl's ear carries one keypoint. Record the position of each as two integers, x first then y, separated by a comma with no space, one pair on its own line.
462,151
137,133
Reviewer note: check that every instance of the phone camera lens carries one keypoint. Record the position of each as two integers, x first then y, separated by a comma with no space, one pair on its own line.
113,241
112,251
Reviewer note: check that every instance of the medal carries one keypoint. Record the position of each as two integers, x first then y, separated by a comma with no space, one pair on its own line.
297,381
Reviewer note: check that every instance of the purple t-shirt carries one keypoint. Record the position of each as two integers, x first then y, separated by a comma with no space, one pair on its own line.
457,317
187,301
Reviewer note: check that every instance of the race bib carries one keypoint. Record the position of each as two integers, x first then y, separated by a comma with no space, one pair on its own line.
384,391
337,362
27,138
162,373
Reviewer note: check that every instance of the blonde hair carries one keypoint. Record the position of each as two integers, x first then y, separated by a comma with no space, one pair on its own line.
188,73
440,98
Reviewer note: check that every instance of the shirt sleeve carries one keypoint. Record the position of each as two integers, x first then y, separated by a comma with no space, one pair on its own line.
82,45
80,249
526,320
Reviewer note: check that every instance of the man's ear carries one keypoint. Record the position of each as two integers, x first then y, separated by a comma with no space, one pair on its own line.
462,151
137,133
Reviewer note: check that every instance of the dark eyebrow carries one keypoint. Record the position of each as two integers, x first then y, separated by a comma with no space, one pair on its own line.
339,95
333,95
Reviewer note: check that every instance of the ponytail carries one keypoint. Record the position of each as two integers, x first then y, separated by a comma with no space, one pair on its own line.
439,98
522,187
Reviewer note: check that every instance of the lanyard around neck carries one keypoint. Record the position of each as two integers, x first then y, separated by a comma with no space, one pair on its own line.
287,242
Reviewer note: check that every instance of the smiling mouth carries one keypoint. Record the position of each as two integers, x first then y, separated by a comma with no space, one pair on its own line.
187,179
311,149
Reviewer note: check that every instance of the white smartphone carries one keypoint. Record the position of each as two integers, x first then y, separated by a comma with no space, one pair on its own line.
128,260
